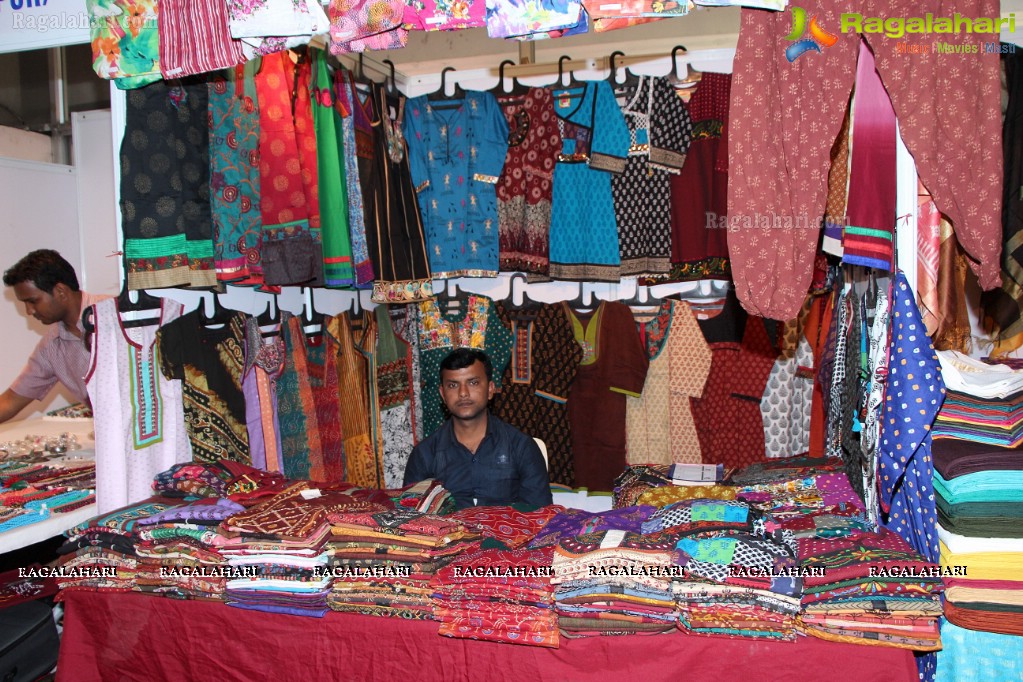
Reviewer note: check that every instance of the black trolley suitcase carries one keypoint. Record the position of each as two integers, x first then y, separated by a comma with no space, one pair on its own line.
28,641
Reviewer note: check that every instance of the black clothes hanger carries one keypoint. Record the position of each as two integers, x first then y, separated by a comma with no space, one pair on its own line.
451,298
271,317
517,88
440,95
389,84
143,301
313,321
222,315
630,78
692,76
572,81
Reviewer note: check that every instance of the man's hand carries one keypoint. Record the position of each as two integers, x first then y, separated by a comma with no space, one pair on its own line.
11,404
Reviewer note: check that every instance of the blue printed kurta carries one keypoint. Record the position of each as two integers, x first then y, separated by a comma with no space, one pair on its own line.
595,143
457,150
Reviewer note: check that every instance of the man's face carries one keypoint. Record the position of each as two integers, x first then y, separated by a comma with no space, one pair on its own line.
47,308
466,391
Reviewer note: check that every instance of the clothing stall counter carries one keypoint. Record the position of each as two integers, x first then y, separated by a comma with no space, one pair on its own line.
131,636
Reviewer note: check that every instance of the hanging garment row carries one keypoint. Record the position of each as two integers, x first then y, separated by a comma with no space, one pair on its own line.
295,172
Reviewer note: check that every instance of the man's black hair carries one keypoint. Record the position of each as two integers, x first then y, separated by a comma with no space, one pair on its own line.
45,268
460,358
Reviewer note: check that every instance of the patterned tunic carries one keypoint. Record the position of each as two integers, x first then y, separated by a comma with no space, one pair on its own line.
700,191
659,132
524,190
595,143
360,415
394,392
475,325
659,423
785,405
308,407
165,188
209,362
457,150
544,360
613,366
234,177
289,194
137,413
394,229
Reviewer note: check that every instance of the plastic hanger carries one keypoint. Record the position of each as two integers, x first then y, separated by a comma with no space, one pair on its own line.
222,315
440,95
269,320
692,76
630,78
572,81
312,320
517,88
390,85
451,298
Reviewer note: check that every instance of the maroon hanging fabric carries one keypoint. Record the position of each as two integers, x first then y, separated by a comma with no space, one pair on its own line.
784,117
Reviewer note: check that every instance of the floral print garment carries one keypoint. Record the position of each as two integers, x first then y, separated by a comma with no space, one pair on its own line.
125,41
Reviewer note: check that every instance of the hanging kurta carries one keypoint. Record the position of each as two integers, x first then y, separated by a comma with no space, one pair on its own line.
308,406
785,405
394,392
534,393
405,320
165,189
209,362
394,229
289,203
699,194
595,143
360,25
659,136
264,363
457,149
524,190
659,423
770,129
475,324
613,366
137,413
356,211
234,176
333,193
727,415
360,414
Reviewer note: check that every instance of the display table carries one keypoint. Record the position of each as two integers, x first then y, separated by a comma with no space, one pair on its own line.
131,636
23,536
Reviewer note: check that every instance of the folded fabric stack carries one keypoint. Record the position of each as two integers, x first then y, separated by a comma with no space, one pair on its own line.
383,562
870,588
498,595
984,402
669,494
739,574
983,582
100,554
176,555
979,489
427,496
638,479
284,570
615,582
785,469
816,505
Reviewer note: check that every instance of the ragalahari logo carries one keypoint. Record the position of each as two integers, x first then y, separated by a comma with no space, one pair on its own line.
818,40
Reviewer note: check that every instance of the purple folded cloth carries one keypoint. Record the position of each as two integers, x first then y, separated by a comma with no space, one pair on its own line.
574,522
200,512
953,457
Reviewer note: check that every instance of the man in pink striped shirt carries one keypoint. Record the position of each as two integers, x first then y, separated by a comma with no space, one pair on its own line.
48,286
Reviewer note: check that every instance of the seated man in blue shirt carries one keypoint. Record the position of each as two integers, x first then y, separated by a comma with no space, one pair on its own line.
480,459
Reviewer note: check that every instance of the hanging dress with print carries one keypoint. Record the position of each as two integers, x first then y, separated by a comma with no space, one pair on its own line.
394,391
594,144
360,414
524,190
264,363
165,188
457,149
659,423
394,228
234,176
659,132
209,362
137,412
535,390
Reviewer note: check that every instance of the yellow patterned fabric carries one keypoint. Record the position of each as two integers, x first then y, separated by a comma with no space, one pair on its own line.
662,497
